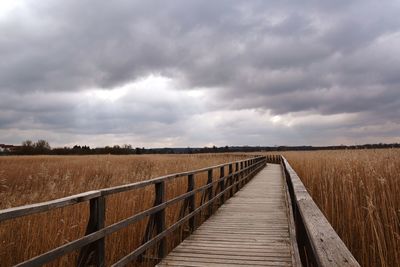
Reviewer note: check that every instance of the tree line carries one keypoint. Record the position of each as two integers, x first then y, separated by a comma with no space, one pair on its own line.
42,147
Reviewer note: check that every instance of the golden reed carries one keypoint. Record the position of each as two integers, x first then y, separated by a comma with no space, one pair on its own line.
359,193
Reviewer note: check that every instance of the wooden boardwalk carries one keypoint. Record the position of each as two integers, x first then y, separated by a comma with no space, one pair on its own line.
250,229
255,227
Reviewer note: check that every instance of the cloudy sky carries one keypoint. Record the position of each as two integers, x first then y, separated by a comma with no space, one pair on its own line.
200,73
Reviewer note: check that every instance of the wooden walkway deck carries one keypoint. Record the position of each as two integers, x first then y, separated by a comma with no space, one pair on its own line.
250,229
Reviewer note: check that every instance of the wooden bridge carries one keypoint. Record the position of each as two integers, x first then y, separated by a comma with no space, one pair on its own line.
256,212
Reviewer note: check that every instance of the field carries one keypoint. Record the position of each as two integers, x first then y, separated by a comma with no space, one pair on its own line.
357,190
359,193
31,179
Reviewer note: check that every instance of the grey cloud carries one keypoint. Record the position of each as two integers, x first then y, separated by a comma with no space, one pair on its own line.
284,57
134,112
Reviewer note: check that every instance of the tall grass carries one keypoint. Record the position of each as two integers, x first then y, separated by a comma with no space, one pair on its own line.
25,180
359,192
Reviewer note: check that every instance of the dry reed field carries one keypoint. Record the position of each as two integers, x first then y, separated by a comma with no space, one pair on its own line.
359,193
32,179
357,190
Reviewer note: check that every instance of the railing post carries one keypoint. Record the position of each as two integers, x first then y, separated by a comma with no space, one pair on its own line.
94,253
222,184
231,180
250,168
191,202
241,174
210,192
159,218
246,172
237,176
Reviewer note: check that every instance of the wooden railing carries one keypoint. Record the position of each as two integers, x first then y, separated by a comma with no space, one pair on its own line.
92,245
318,243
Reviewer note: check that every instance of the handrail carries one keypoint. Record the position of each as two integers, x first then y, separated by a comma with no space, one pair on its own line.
135,253
92,244
26,210
319,244
15,212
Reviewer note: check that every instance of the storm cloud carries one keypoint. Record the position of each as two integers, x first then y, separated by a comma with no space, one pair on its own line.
195,73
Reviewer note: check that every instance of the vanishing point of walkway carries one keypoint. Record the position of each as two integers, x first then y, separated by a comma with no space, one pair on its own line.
250,229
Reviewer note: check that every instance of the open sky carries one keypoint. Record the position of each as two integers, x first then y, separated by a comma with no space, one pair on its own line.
200,73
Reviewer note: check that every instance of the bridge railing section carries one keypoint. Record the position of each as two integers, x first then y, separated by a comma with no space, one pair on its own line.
318,243
232,176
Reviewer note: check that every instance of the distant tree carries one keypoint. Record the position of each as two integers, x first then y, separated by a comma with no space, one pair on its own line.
42,147
27,143
42,144
127,146
27,147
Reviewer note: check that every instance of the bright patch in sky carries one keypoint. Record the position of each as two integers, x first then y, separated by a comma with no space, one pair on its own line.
148,85
8,6
276,119
107,95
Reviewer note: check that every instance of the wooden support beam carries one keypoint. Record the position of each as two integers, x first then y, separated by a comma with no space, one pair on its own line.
191,202
94,253
231,179
160,218
237,176
210,192
222,184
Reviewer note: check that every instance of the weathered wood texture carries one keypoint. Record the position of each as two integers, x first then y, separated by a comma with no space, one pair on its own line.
319,244
250,229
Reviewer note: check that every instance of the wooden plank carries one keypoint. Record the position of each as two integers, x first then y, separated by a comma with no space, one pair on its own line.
266,245
292,227
271,249
62,250
242,240
265,234
210,262
237,252
199,264
250,235
11,213
230,256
